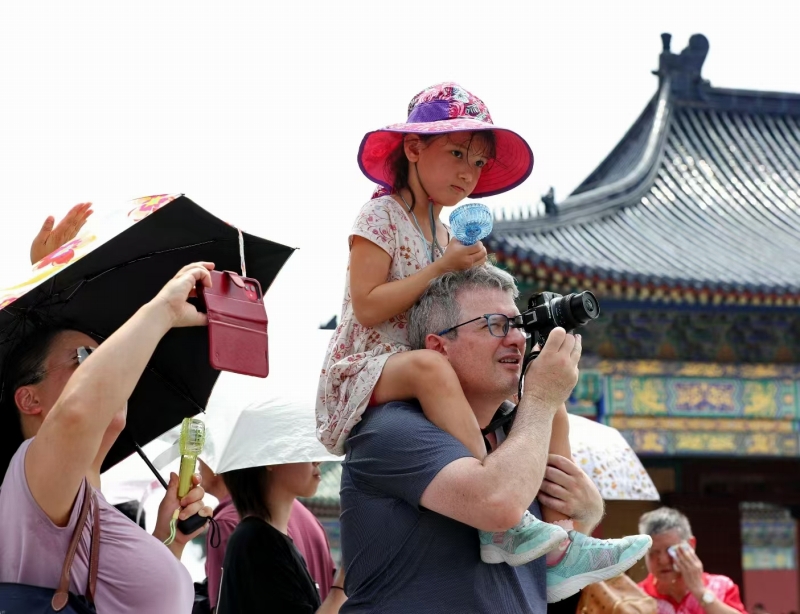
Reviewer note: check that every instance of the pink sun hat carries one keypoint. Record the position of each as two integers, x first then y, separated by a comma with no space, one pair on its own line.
441,109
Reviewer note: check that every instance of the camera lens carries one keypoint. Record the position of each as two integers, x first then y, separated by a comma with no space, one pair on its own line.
584,307
575,310
590,305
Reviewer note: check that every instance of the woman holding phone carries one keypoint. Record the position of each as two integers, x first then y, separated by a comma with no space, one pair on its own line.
64,404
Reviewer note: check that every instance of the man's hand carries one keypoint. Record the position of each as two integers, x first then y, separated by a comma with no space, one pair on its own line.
190,505
554,373
567,489
691,569
50,239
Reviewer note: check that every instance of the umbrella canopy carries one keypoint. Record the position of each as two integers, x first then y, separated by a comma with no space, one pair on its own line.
98,281
602,452
252,422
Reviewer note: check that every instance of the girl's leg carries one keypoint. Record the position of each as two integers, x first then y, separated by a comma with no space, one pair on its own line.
559,444
428,377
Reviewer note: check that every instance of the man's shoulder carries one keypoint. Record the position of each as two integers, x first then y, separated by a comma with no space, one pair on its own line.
389,414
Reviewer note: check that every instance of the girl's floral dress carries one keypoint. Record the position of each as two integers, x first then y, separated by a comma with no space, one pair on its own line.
356,354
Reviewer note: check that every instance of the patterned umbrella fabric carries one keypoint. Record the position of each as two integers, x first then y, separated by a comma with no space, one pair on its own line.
602,452
118,263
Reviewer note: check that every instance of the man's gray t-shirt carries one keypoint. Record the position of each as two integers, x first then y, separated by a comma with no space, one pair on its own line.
400,557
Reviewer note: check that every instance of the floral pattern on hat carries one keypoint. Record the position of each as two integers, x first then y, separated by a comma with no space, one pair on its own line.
461,102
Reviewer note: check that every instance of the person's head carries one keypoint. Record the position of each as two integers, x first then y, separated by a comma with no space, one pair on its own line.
255,490
446,167
668,527
487,362
34,375
446,120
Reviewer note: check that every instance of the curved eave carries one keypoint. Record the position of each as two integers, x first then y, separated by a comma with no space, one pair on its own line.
709,215
609,197
551,274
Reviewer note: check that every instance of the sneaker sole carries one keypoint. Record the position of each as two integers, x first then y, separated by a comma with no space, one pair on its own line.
572,585
495,555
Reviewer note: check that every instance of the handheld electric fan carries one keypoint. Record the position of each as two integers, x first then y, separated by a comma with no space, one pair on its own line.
192,439
471,222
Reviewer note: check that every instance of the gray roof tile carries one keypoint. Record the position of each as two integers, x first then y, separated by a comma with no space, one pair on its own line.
702,193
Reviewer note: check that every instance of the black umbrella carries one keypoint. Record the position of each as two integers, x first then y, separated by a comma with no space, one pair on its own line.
100,291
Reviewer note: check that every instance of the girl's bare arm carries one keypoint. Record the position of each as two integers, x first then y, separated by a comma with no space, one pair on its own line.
376,300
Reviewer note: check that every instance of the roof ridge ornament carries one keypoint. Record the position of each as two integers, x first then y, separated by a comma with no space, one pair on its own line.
549,200
684,68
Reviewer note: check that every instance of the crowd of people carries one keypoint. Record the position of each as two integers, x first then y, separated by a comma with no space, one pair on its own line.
439,512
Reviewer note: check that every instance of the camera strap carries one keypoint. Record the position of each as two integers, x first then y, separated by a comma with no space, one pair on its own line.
503,417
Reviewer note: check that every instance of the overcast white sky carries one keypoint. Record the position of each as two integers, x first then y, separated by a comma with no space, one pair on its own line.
255,110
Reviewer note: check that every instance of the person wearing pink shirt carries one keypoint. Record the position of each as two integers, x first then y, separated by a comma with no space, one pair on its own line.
64,403
676,579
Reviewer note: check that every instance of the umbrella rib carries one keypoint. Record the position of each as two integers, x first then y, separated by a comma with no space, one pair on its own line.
150,255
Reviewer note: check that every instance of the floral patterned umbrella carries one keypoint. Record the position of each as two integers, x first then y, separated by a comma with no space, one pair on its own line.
98,280
602,452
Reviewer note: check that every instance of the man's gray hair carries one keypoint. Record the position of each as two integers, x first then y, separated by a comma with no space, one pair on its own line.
665,519
438,308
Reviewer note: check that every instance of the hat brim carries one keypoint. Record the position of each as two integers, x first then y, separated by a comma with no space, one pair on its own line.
512,165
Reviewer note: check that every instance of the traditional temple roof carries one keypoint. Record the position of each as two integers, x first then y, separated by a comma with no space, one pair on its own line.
698,203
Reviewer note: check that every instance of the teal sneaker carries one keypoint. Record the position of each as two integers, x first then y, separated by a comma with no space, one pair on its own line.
521,544
590,560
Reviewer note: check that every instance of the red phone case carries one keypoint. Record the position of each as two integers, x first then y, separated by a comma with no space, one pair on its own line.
237,324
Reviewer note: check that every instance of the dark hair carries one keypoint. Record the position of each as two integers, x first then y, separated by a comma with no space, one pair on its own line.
398,167
248,488
23,366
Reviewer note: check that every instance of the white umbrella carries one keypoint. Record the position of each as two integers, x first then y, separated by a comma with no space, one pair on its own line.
602,452
252,422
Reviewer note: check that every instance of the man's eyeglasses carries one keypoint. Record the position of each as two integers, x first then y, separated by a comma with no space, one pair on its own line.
498,324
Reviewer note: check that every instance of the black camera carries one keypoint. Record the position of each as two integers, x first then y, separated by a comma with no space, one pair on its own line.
547,310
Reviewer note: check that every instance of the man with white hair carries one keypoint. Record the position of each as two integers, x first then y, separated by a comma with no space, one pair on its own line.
676,578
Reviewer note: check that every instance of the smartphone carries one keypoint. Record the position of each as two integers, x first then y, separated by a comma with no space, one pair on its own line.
237,323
